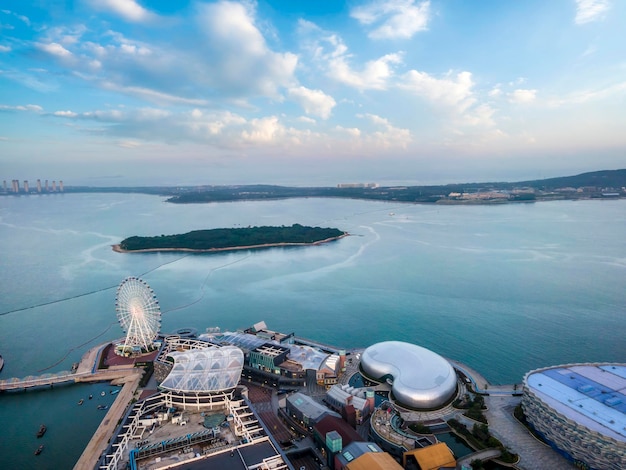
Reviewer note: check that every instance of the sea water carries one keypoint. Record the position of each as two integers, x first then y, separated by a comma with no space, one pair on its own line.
502,288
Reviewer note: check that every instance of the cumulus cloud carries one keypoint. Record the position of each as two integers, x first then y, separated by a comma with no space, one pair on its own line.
454,91
393,18
590,10
453,96
55,49
242,59
129,10
331,55
386,135
375,74
314,102
522,96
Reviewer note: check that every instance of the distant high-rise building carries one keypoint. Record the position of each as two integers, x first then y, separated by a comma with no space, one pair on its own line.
54,186
26,189
4,185
16,186
47,189
38,185
61,185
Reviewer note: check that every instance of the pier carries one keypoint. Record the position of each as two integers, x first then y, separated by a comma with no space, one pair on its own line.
86,371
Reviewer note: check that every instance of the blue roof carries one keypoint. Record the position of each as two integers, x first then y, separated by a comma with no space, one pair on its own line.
594,396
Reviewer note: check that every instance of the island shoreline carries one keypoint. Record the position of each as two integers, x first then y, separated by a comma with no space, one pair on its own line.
118,249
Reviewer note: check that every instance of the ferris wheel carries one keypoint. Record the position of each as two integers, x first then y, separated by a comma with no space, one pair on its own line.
138,312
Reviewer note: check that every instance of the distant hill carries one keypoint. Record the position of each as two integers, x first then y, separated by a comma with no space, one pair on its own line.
594,184
599,179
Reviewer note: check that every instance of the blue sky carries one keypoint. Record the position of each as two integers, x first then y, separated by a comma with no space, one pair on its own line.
116,92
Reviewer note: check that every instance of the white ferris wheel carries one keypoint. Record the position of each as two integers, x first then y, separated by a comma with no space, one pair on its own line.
138,312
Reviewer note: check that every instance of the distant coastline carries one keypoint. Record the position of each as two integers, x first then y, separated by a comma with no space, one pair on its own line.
598,185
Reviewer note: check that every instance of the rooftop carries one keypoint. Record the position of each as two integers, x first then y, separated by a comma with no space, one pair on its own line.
421,378
592,395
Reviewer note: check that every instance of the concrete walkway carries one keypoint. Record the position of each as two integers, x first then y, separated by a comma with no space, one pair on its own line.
100,439
534,454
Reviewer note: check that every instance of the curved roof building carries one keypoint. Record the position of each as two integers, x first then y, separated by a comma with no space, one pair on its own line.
204,370
580,410
421,378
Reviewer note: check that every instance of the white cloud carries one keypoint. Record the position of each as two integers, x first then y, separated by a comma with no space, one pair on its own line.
350,131
35,108
495,92
590,95
4,48
314,102
386,135
23,18
522,96
130,10
590,10
306,120
68,113
241,59
55,49
153,95
393,18
264,130
374,75
453,91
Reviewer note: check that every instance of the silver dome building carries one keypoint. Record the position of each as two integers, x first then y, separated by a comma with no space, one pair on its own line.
420,378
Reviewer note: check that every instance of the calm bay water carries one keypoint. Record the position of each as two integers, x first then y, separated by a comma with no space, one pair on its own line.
504,289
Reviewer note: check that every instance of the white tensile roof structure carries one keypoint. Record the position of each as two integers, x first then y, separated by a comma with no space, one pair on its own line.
205,370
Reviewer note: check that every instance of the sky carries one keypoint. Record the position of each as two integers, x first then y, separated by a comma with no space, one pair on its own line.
310,93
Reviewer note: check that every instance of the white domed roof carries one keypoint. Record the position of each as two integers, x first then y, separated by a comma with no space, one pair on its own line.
421,378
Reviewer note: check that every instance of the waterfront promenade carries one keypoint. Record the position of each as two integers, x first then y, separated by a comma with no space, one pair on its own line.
99,441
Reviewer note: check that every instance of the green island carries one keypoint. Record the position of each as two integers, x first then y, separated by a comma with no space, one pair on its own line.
223,239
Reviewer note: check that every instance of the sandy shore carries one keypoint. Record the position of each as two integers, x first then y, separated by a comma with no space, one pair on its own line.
117,248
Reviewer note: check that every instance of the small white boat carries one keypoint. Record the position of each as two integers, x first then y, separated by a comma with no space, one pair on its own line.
102,393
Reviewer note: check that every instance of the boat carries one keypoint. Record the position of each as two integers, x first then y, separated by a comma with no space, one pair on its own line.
80,402
103,393
90,397
102,407
39,450
113,392
42,430
1,363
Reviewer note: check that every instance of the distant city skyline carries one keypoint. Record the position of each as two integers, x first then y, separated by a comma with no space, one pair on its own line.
155,92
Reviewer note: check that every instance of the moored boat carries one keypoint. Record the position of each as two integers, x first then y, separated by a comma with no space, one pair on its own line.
80,402
102,407
39,450
1,363
42,430
102,393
